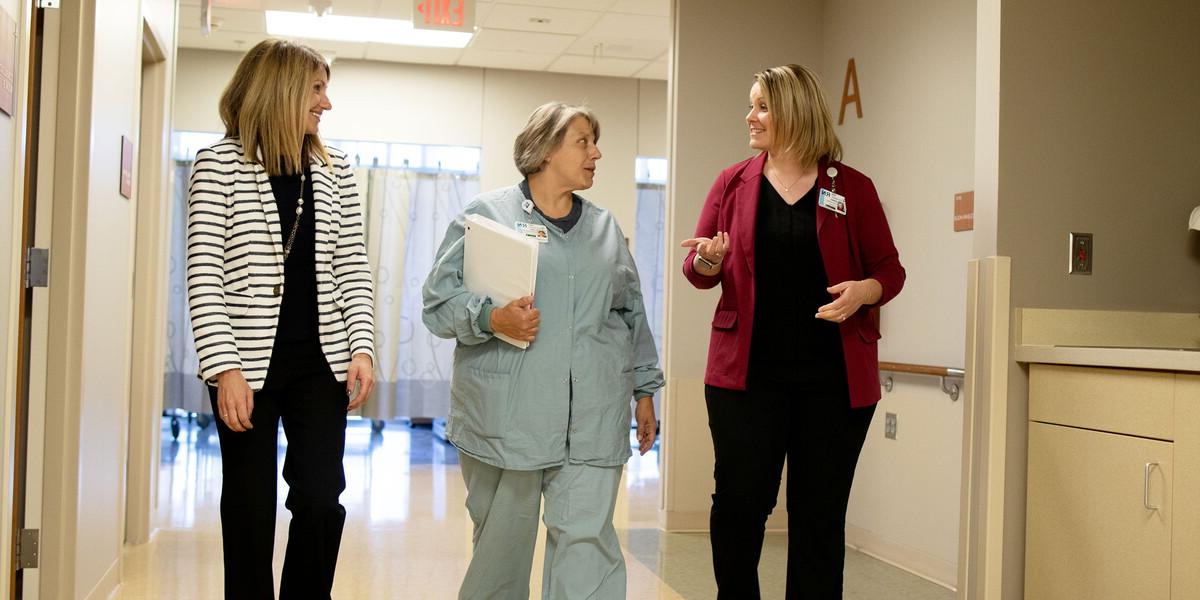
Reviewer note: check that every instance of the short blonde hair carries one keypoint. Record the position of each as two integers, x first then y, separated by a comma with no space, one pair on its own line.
266,105
544,132
800,120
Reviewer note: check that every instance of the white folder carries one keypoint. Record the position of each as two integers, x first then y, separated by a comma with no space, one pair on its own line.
499,263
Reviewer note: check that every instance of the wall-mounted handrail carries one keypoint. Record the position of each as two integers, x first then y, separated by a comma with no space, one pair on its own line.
945,373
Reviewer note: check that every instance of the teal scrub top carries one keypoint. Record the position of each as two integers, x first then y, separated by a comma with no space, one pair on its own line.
567,396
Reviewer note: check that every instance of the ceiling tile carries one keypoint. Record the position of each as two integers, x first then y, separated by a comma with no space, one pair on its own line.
633,26
660,8
586,65
236,41
413,54
600,5
506,59
515,41
228,19
617,47
655,70
520,17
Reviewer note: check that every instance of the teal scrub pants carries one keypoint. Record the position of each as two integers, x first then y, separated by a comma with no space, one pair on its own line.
583,555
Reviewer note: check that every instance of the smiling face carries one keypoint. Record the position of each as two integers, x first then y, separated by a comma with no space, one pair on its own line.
759,120
319,101
573,162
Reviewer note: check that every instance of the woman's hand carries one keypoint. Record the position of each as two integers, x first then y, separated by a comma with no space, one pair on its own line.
711,249
848,297
647,425
518,319
235,400
361,370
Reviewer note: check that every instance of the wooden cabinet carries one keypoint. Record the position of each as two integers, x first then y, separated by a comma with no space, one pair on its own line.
1111,495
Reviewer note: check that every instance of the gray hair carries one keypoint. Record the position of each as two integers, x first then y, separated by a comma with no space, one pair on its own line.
544,132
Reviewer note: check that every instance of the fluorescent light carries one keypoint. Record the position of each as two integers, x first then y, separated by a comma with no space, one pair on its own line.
360,29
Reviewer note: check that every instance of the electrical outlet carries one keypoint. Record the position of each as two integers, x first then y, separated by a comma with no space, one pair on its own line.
1081,254
889,426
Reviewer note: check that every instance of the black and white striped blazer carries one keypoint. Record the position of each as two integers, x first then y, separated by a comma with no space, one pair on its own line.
235,260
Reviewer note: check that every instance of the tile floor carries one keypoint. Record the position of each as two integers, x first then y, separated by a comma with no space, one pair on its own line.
408,535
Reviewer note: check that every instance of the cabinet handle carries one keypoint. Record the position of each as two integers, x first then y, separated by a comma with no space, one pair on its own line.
1146,486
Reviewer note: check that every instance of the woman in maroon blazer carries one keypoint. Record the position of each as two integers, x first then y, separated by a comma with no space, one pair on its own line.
802,251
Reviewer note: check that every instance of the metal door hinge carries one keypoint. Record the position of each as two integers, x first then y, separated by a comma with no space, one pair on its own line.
37,267
48,3
27,548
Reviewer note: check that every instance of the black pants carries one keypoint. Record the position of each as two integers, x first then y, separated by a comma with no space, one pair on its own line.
820,436
301,390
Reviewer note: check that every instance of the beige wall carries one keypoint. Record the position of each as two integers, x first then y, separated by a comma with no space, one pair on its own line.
467,106
1099,133
915,140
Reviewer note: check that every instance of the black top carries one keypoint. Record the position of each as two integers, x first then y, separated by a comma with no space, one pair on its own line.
564,223
789,344
298,314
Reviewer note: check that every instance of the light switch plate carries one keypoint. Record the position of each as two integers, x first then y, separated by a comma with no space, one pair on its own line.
1080,262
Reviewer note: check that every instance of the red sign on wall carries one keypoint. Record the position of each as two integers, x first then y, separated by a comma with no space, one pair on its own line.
444,15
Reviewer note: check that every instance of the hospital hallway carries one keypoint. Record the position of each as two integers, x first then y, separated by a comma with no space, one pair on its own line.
408,534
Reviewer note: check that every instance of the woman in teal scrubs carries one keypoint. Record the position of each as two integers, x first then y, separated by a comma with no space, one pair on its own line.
551,421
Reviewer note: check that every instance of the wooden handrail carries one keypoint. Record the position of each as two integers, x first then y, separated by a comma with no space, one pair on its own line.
920,369
942,372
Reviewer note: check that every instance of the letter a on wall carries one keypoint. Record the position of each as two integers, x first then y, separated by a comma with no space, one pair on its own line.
847,97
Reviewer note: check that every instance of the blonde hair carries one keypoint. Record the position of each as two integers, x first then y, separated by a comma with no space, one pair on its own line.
266,106
800,120
544,132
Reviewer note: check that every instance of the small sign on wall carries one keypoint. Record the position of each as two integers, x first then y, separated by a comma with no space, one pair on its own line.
126,167
8,62
964,211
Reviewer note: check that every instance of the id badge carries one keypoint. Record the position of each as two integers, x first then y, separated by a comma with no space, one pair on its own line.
533,231
832,201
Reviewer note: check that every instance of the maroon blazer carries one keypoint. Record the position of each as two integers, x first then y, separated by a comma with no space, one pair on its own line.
855,246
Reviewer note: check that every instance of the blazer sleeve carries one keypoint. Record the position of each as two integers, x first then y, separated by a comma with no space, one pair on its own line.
350,267
877,252
209,203
707,227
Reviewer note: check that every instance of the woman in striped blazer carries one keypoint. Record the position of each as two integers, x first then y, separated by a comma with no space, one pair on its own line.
281,306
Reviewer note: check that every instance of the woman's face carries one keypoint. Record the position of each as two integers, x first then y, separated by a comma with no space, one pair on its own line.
318,102
573,163
759,119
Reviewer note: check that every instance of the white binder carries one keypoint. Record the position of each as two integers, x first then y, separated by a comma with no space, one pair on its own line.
499,263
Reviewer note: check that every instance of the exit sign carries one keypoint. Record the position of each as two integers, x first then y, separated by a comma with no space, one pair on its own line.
444,15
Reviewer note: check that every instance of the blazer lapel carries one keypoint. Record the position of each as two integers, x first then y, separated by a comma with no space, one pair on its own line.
324,197
746,208
271,210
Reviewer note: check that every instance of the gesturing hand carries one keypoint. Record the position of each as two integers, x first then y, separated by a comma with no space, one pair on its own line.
518,319
711,249
849,296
